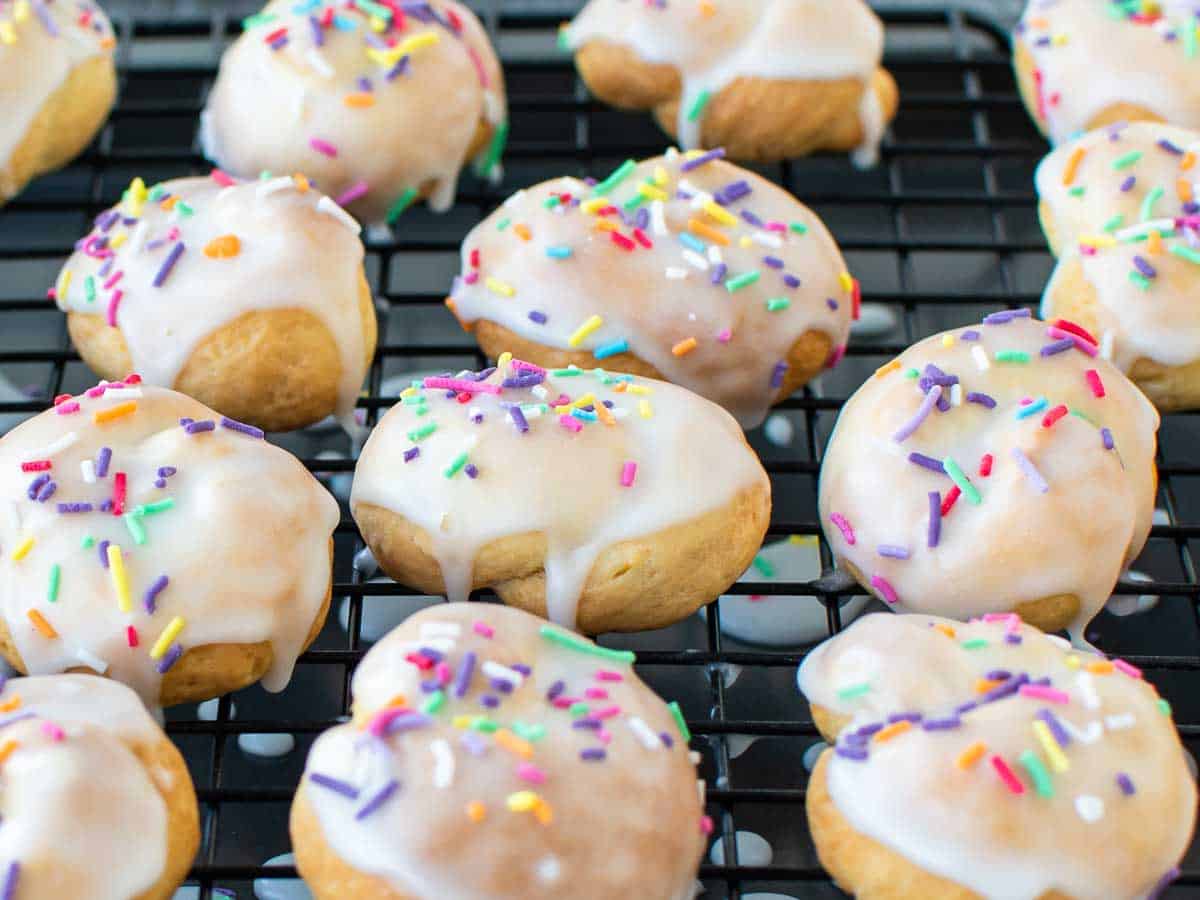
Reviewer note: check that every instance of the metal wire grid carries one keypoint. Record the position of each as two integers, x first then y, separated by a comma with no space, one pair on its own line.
942,231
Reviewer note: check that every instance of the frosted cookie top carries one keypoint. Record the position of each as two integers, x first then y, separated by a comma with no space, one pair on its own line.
995,756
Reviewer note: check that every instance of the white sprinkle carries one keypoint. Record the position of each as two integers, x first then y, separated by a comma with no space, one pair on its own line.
956,395
644,733
1090,809
1088,735
274,186
549,870
1118,723
318,62
443,763
532,411
540,392
694,756
672,154
694,259
658,221
225,192
441,644
91,660
767,239
981,358
1106,345
1143,228
474,412
330,208
494,670
619,412
440,629
121,393
675,273
714,254
137,240
1087,687
58,446
87,469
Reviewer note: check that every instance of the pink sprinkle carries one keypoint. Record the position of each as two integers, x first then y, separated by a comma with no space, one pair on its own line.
838,354
442,671
1081,344
382,719
484,81
706,825
1011,781
113,304
607,713
1025,401
594,693
484,629
352,193
775,225
844,527
531,773
1128,668
323,147
52,731
725,336
1094,382
173,233
471,277
461,384
114,279
1044,692
570,423
603,736
526,366
96,391
131,636
222,178
608,675
628,473
564,702
884,587
1087,250
756,598
51,294
65,409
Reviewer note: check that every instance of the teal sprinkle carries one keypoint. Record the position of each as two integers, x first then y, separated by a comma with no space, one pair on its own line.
456,465
1148,202
764,567
1189,40
566,373
87,542
1129,159
495,150
374,9
798,228
975,644
634,202
403,202
1184,252
575,710
677,713
183,209
697,109
607,350
959,478
484,724
1032,409
418,434
1077,191
563,39
1140,280
581,645
89,289
531,733
135,528
413,400
854,691
912,373
1113,224
558,252
435,702
1163,706
1037,772
421,411
157,506
258,19
55,576
502,224
1085,417
584,415
156,193
622,172
733,285
551,202
777,304
692,242
534,409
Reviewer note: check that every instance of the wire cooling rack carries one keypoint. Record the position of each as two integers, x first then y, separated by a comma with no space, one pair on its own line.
943,231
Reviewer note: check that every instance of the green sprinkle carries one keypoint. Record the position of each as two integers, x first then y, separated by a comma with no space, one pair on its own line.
622,172
89,289
456,465
634,202
912,373
535,409
1185,252
413,400
484,724
136,531
1148,202
975,644
495,150
1113,224
580,645
558,252
435,702
575,710
157,506
1140,280
673,706
1077,191
1189,40
551,202
87,542
854,691
1037,772
764,567
183,209
566,373
156,193
1085,417
419,434
374,9
258,19
798,228
1124,162
1012,356
733,285
964,484
531,733
1163,706
775,304
503,224
55,575
697,109
563,39
403,202
421,411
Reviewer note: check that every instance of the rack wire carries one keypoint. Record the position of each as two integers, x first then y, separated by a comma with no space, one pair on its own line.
941,232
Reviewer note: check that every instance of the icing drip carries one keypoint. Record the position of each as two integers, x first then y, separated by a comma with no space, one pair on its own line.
507,739
372,114
707,272
1092,55
172,264
458,470
1106,194
1086,741
1049,488
137,530
40,43
73,797
712,46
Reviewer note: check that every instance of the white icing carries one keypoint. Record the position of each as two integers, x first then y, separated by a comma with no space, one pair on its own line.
690,455
810,40
292,255
245,547
963,823
421,840
739,341
74,807
1091,58
1159,323
1018,544
35,61
267,105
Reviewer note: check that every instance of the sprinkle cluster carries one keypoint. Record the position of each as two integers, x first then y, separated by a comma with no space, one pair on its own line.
18,14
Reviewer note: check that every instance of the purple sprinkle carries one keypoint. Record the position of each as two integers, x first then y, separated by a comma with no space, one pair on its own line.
905,431
998,318
892,551
43,14
185,421
490,701
777,374
1155,892
242,427
537,316
411,453
592,754
964,708
378,800
198,427
1125,783
528,380
47,491
168,264
1007,689
499,684
945,724
1107,438
981,399
831,303
1060,734
431,685
472,471
927,462
17,717
697,161
474,744
934,533
518,419
970,335
74,507
1128,183
409,722
36,485
1144,267
171,657
103,548
556,690
364,84
858,754
318,38
14,868
718,273
166,471
667,740
152,593
1169,147
773,261
160,483
522,668
106,505
911,717
869,729
587,724
429,653
642,219
462,678
1012,638
334,784
998,675
1057,347
751,219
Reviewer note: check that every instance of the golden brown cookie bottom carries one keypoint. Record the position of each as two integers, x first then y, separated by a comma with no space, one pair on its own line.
168,772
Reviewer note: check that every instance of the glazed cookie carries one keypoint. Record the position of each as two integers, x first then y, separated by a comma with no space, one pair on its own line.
97,803
766,79
1083,64
993,469
990,760
481,740
682,267
248,296
1118,206
605,502
57,85
379,103
145,537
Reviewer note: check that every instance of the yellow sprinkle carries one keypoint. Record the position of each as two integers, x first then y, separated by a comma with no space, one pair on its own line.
7,748
513,744
39,622
476,811
1058,760
496,286
120,580
893,730
417,42
408,391
719,213
684,347
461,722
117,241
114,412
1072,662
1098,241
846,282
660,176
21,11
542,812
522,801
605,225
22,549
745,243
592,323
707,9
590,206
947,340
64,284
8,34
167,637
562,409
650,192
1059,39
377,24
504,360
804,540
639,389
226,246
971,755
644,409
583,401
887,367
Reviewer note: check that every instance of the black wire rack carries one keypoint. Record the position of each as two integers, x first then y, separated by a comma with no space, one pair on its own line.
943,231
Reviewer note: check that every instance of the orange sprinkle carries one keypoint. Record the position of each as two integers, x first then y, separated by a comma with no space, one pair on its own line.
947,630
887,367
1072,167
971,755
605,225
896,728
226,246
302,183
684,347
704,230
605,416
1183,188
7,749
1100,667
40,623
476,811
983,685
1039,23
1154,244
513,744
398,700
169,203
619,388
114,412
10,705
522,231
360,100
707,9
1189,160
108,43
542,811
